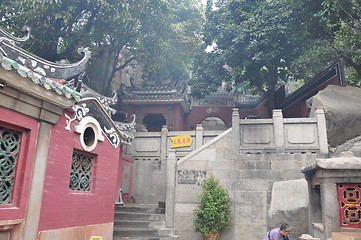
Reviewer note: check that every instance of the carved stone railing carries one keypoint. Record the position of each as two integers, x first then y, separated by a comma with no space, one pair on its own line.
158,144
280,134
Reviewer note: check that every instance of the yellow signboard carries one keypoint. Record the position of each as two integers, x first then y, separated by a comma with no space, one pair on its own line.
181,141
96,238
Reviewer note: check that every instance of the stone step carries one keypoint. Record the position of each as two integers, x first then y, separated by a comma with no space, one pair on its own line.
138,216
141,221
140,210
134,232
132,223
147,238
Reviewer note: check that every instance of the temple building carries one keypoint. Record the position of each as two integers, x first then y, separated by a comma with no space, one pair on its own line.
61,160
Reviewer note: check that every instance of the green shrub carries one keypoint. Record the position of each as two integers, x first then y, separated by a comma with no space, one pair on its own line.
214,209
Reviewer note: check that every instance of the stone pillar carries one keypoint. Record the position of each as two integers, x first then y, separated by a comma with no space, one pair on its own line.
278,129
199,136
321,129
163,142
170,194
236,135
37,183
330,211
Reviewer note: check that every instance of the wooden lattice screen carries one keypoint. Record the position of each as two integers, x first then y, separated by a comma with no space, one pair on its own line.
349,198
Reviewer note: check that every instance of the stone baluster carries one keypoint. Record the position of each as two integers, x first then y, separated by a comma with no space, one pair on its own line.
199,136
278,129
170,194
163,142
235,130
321,130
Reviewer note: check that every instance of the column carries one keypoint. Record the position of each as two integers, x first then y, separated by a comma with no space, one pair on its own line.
321,129
235,131
330,210
199,136
278,129
163,142
37,184
170,194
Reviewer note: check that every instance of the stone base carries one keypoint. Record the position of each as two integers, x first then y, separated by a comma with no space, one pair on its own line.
100,231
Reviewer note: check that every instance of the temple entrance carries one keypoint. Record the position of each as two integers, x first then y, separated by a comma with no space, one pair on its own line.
154,122
213,123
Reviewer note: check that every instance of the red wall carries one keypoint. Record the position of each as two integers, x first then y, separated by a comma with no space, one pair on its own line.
29,127
298,109
65,208
199,113
174,117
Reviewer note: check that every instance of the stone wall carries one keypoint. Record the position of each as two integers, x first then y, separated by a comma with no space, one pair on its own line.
150,151
247,162
250,179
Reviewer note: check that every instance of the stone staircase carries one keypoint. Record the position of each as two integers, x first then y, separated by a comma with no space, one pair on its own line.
140,222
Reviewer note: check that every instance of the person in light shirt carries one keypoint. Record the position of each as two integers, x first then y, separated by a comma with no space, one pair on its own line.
280,233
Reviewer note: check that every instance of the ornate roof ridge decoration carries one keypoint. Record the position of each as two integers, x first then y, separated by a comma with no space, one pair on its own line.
147,91
42,66
88,92
126,126
92,107
18,41
150,94
9,64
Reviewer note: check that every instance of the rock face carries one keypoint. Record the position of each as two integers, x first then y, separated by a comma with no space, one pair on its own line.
342,107
290,201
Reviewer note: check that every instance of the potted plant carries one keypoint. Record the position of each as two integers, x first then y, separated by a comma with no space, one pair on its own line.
212,215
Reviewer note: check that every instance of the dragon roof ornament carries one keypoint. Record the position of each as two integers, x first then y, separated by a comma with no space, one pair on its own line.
10,49
15,40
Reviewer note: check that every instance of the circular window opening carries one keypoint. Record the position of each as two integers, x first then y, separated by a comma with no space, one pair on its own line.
89,136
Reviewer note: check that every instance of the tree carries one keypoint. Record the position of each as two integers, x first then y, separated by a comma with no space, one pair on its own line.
256,40
59,27
336,35
262,44
343,16
212,215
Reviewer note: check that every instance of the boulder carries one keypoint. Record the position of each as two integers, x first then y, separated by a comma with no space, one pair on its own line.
342,107
289,204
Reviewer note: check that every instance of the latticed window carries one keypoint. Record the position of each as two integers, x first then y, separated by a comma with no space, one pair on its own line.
81,171
349,198
9,149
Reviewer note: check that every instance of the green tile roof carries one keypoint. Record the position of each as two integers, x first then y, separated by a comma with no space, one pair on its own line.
36,78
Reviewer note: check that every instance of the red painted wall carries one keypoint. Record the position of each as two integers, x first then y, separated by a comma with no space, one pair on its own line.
175,117
65,208
298,109
199,113
29,127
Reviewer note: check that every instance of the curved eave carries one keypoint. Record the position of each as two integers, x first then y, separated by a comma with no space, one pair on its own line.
19,77
47,68
125,138
183,102
340,163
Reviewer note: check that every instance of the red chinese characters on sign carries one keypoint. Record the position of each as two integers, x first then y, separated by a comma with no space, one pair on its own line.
181,141
349,199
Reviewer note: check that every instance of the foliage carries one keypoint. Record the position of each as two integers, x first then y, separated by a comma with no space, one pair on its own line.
213,212
337,36
262,44
149,29
255,42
